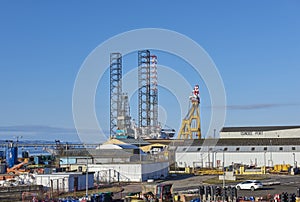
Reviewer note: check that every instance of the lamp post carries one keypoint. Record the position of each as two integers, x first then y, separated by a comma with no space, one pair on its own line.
223,169
265,162
271,158
86,179
294,160
68,166
140,156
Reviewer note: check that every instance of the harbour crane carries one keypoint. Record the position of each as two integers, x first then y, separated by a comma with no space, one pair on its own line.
190,126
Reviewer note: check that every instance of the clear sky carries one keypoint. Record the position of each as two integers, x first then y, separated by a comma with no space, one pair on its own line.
254,44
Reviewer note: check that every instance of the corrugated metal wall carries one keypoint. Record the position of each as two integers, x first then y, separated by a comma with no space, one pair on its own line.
244,155
65,182
129,172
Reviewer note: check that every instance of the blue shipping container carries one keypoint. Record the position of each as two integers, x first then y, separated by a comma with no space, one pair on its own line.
11,156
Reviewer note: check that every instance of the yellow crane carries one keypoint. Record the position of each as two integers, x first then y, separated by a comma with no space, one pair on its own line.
18,168
190,126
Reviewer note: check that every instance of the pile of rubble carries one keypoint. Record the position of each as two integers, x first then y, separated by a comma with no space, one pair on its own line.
22,179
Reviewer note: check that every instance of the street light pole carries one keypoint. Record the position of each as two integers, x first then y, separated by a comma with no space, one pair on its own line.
86,179
223,169
224,176
271,158
265,162
294,160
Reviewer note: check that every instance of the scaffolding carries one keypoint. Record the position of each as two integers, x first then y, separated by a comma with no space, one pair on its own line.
115,90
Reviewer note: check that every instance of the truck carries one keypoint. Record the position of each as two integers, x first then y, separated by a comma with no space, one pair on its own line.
161,192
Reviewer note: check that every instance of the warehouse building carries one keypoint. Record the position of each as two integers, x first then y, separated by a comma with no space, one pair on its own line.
117,163
253,146
261,132
66,182
132,172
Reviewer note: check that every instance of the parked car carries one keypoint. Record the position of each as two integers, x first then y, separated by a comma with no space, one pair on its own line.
249,184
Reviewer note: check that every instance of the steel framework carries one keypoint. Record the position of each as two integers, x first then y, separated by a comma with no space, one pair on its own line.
124,119
190,127
148,94
115,90
144,89
153,95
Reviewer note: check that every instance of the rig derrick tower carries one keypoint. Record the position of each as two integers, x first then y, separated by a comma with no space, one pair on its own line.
147,94
115,91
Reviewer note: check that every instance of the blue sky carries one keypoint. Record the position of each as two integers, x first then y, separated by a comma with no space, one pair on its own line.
254,44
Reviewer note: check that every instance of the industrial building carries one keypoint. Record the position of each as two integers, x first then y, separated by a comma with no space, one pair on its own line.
66,181
261,132
254,146
131,172
117,163
123,172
